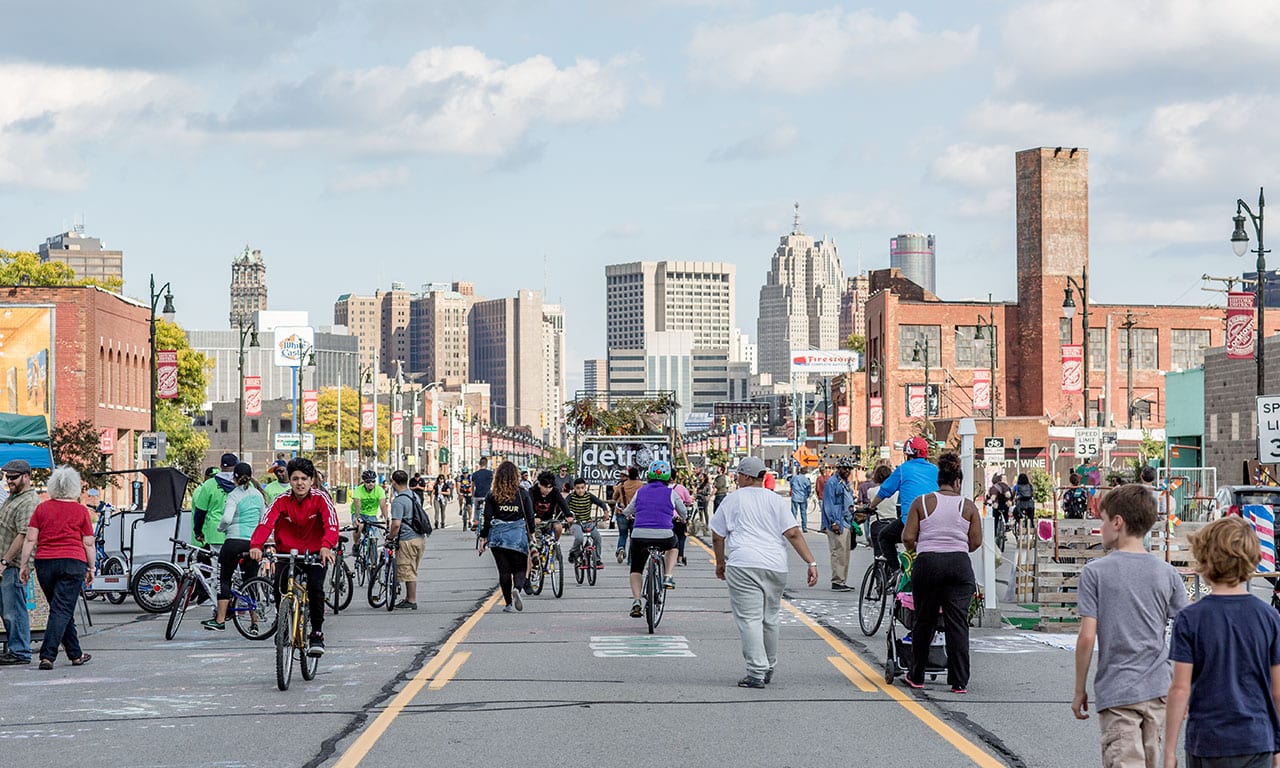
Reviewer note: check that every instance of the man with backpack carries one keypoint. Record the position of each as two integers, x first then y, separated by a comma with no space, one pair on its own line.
409,529
1075,500
998,497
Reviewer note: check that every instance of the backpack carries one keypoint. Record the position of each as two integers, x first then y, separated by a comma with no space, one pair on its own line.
1001,497
1026,492
1075,503
419,521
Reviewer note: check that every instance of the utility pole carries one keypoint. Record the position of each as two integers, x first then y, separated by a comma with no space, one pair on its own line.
1127,325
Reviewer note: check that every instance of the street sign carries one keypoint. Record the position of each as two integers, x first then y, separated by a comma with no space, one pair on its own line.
152,445
442,456
1111,438
993,450
1088,442
430,429
293,441
1269,429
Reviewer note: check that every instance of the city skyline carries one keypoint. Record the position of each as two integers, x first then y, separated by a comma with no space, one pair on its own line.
254,132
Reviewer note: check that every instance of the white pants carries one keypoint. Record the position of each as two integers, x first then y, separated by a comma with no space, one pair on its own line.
755,597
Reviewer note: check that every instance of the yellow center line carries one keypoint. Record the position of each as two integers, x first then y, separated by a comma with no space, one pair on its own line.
855,677
360,748
953,737
446,674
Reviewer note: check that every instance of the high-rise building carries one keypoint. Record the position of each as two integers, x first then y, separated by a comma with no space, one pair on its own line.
853,306
670,362
438,331
595,375
914,255
1270,287
507,340
248,287
335,362
800,301
743,351
655,296
554,395
394,348
86,256
362,317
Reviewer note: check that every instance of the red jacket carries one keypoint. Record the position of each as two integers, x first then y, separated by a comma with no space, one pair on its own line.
307,525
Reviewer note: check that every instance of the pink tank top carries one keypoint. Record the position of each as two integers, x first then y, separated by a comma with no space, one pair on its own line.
945,530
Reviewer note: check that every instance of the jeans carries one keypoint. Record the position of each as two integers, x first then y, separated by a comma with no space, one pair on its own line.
889,539
624,525
315,590
800,511
60,579
579,538
755,596
13,605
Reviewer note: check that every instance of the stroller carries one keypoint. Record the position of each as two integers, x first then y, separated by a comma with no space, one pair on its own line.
899,639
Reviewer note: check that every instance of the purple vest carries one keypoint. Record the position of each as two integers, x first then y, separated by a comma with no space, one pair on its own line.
653,506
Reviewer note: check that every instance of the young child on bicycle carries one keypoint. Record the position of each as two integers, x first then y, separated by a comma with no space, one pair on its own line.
303,519
581,502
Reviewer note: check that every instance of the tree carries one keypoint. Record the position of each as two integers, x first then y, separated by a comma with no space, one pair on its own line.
25,268
623,416
856,342
77,444
186,444
326,429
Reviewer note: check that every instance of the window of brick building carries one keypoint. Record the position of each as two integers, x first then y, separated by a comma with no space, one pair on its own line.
1187,346
1097,349
1145,351
222,425
971,351
910,335
1064,330
253,425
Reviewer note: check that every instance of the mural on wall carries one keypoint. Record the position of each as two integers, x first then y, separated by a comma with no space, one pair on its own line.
26,341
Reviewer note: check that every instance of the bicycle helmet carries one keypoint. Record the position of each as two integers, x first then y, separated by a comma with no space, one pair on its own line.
916,448
659,470
368,476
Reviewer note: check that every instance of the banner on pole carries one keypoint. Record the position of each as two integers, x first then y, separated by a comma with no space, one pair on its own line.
366,417
252,395
1072,368
877,412
915,402
397,424
166,374
310,406
1240,330
842,418
982,388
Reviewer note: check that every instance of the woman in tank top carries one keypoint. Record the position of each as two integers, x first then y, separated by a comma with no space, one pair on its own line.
943,528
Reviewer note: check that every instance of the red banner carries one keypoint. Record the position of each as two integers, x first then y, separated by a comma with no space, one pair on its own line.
877,411
252,395
1072,369
366,417
107,441
166,374
819,423
397,424
842,418
417,425
982,388
1240,330
915,401
310,406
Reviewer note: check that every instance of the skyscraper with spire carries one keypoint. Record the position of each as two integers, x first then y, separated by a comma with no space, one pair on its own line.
800,300
248,286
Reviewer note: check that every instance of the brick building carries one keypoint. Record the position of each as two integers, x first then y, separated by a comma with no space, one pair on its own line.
1052,245
99,364
1230,412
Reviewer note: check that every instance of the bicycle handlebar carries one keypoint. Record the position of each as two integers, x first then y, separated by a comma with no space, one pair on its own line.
188,545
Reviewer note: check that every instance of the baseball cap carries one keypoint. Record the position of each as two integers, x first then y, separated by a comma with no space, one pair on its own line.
751,467
280,464
229,460
243,470
16,467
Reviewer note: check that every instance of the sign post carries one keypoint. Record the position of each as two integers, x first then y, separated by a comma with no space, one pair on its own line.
993,450
1269,429
1088,442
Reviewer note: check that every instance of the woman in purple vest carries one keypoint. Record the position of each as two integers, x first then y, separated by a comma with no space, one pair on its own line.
652,513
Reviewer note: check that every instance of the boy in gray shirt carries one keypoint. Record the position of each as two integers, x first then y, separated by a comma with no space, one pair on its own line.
1126,600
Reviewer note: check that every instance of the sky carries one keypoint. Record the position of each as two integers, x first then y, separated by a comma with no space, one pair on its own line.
527,145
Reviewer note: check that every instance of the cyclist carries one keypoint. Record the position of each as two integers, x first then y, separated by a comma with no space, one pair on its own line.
465,490
279,481
652,512
482,482
244,509
624,494
549,505
368,504
303,519
913,478
581,502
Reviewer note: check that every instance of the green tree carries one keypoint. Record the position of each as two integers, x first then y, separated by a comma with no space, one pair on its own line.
25,268
326,429
1042,484
77,444
186,444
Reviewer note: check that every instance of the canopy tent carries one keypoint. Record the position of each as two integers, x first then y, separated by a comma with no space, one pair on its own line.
17,435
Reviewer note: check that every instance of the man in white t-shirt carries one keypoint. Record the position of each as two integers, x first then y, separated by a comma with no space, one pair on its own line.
754,525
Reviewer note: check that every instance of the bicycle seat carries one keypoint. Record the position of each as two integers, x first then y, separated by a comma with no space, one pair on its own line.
343,539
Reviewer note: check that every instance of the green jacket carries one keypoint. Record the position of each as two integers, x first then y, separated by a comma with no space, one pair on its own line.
208,502
274,489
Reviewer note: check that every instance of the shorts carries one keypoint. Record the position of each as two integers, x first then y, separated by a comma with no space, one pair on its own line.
640,550
408,555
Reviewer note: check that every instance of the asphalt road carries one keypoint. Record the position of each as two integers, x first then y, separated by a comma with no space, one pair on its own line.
572,680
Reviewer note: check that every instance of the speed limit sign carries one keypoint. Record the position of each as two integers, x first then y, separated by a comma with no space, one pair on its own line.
1088,442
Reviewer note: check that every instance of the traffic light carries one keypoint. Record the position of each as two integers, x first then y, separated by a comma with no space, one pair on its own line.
724,422
542,420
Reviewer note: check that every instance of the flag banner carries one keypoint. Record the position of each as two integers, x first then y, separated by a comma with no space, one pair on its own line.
252,395
310,406
982,388
1240,330
1072,369
877,412
366,417
166,374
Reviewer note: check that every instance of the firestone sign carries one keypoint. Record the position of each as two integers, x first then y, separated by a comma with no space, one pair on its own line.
292,345
825,363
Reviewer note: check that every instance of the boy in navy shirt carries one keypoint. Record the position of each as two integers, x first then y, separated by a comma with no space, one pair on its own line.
1226,654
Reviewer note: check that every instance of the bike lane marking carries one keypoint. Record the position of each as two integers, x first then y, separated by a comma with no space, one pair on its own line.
360,748
917,710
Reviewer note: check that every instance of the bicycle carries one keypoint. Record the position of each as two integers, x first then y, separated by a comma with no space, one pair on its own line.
384,588
340,585
294,625
548,560
252,606
1001,529
367,551
652,591
585,566
873,595
108,565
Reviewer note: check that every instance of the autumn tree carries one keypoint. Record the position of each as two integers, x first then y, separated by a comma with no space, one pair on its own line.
78,445
26,268
326,429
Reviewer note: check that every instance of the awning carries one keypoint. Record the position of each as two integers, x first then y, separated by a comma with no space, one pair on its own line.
37,456
23,429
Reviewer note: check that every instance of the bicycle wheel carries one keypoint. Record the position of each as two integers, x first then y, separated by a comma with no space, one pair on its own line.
114,566
308,663
253,608
872,598
1000,532
284,643
155,586
377,591
591,568
579,570
186,587
653,594
557,571
539,575
393,584
341,587
362,567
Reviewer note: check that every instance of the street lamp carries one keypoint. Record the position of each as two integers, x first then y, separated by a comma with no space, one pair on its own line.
251,332
1240,244
366,377
990,325
1069,311
923,346
168,313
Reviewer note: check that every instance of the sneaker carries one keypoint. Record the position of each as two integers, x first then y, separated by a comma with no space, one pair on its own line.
682,561
80,662
599,565
9,659
669,583
213,625
912,683
315,645
959,690
405,605
508,609
835,587
573,556
46,665
515,601
751,682
636,610
528,589
768,676
620,555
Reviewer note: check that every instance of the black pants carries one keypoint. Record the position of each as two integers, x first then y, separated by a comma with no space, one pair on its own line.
511,565
942,580
228,558
889,539
61,579
315,590
681,530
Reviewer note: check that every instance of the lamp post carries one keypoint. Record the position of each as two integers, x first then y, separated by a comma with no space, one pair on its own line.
873,377
306,356
251,332
990,325
366,377
168,313
1069,311
1240,244
915,358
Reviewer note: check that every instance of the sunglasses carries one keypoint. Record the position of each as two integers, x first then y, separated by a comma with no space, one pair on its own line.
11,478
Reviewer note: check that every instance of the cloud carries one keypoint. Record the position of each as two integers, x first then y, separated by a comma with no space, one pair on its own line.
775,141
799,53
624,231
372,180
973,165
443,100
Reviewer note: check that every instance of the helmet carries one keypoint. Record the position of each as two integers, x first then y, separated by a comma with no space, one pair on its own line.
659,470
368,476
916,448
